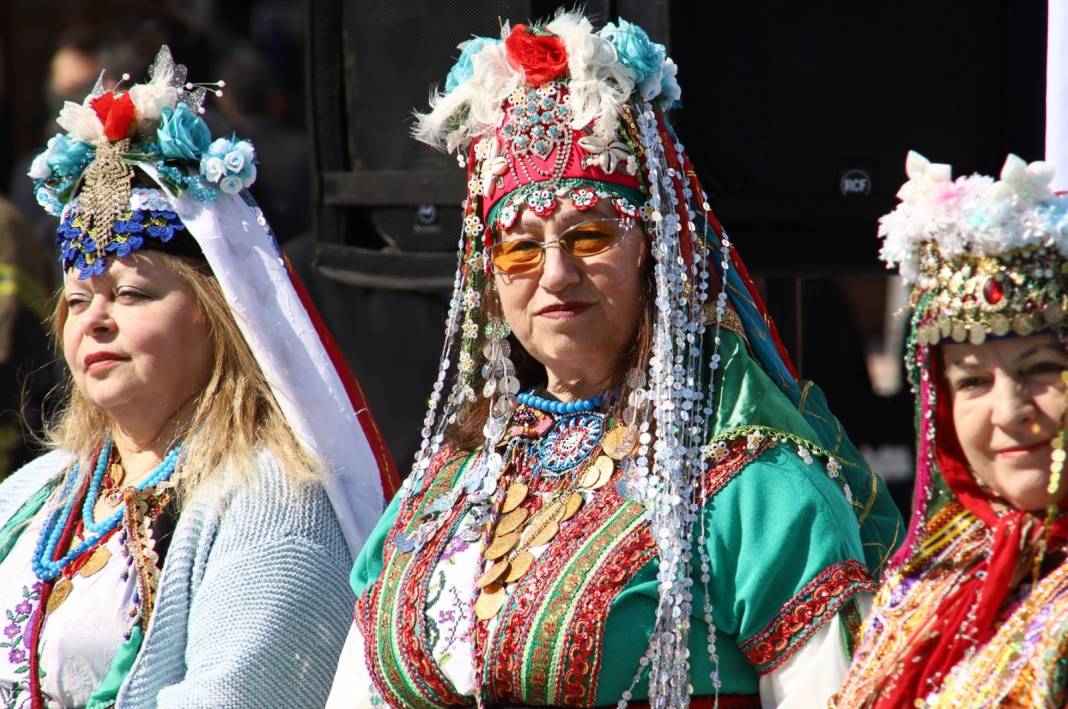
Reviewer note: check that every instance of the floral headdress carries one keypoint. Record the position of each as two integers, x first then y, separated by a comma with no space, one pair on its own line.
983,257
562,112
197,203
86,175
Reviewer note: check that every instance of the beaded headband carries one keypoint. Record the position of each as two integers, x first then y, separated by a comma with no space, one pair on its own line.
983,257
86,175
538,116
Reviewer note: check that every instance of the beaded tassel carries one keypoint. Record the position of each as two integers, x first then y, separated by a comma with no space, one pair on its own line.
1056,467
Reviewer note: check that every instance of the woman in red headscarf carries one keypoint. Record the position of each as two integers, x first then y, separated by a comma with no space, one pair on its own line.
975,612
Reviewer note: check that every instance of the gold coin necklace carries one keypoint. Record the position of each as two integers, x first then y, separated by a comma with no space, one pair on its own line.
572,452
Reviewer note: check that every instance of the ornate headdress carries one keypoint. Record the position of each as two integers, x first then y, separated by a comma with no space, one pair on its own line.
196,202
561,112
86,176
985,259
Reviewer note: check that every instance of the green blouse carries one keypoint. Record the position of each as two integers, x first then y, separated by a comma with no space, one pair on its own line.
789,549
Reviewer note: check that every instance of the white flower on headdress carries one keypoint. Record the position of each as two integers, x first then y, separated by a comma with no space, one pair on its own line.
922,173
493,165
466,363
39,169
231,184
165,79
670,91
471,299
608,154
477,261
81,122
1029,182
213,168
482,148
150,99
913,222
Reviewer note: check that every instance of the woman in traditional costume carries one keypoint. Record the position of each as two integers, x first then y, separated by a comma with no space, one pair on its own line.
975,610
188,541
623,492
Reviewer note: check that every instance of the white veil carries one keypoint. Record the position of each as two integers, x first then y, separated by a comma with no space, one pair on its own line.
292,352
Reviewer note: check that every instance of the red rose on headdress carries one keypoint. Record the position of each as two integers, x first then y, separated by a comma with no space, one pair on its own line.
117,114
542,57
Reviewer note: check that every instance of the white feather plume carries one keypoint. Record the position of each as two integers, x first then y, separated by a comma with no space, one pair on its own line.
473,107
971,214
600,85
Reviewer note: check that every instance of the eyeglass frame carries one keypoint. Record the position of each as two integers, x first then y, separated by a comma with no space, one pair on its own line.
624,224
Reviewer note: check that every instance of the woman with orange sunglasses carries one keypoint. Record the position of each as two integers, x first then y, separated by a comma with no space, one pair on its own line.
623,493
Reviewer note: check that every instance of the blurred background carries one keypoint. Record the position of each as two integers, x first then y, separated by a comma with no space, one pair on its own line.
797,116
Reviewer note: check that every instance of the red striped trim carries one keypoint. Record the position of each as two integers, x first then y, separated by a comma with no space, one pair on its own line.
806,613
726,701
389,478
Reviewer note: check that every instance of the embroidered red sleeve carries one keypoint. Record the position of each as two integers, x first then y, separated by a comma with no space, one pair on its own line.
809,609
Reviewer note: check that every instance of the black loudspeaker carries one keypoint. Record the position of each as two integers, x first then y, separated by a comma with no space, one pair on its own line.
798,116
388,211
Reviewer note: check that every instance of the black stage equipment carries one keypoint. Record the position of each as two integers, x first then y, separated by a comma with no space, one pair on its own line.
798,115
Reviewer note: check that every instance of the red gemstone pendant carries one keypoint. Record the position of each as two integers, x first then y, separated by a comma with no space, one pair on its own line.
993,291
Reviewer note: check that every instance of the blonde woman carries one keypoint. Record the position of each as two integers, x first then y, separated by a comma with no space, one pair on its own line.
190,508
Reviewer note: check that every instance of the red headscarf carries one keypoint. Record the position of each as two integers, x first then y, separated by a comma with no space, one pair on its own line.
967,617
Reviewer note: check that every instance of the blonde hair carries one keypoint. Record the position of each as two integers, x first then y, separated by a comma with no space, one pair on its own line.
234,414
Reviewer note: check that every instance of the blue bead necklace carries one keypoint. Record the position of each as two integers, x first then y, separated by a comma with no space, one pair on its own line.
45,565
550,406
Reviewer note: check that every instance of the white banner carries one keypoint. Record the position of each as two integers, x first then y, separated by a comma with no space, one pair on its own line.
1057,92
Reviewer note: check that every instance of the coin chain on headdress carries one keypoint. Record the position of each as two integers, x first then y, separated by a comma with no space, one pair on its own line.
106,192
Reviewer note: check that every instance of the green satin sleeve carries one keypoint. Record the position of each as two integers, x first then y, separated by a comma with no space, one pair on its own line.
369,562
747,399
775,528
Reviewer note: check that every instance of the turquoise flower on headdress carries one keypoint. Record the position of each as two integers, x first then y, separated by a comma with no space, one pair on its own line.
48,199
464,67
230,163
182,134
670,91
638,53
63,158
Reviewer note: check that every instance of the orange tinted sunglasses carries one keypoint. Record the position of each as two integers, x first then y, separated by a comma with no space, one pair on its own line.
582,240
